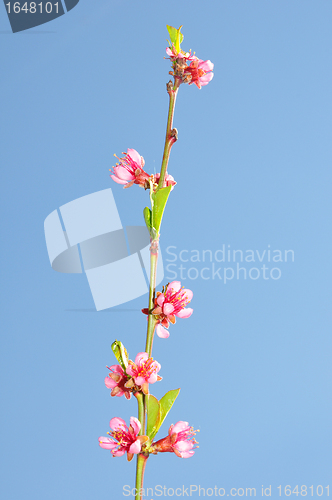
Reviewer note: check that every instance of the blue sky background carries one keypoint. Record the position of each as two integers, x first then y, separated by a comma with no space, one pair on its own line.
253,166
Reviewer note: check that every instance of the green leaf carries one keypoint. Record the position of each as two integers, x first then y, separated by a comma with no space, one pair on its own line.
166,404
153,411
159,202
120,353
175,36
173,32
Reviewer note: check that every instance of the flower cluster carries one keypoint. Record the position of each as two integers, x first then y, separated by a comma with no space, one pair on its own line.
123,439
137,377
180,440
170,303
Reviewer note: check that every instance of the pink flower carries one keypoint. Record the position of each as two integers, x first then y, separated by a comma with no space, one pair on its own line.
144,371
123,439
180,440
168,304
130,170
173,54
116,381
198,72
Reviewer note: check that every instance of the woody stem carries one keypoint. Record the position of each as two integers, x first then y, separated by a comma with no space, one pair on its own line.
171,135
171,138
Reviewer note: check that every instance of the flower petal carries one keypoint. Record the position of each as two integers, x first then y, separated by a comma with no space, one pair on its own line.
156,366
135,447
206,65
185,313
168,308
175,286
205,79
162,332
123,173
136,424
180,426
187,454
130,370
116,369
119,453
118,424
188,293
139,380
153,378
184,445
136,157
141,356
110,384
119,181
160,299
107,443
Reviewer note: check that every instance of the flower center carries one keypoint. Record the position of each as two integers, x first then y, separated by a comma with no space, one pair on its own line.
145,369
120,436
178,299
